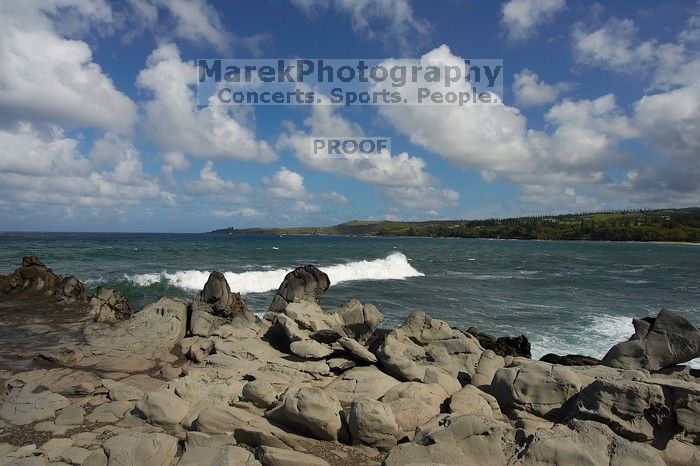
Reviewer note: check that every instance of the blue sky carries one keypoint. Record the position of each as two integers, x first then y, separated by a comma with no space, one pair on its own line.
99,129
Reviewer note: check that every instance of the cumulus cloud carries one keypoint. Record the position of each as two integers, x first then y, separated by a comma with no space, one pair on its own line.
667,117
245,212
210,183
334,198
426,198
520,18
491,136
580,144
382,169
286,184
390,21
174,161
195,21
586,132
671,120
46,77
173,121
531,91
111,175
613,45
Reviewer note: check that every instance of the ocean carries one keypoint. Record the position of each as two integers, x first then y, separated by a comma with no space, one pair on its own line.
566,297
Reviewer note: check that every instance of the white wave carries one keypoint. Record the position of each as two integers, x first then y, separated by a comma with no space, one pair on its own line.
393,267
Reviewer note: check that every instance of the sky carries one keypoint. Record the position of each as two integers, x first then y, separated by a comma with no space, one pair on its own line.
100,128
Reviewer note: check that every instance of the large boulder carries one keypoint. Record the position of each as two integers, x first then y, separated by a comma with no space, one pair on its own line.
272,456
132,345
147,449
662,341
461,439
306,283
27,402
163,407
222,455
586,442
310,349
423,342
471,400
308,410
373,423
259,392
361,382
109,305
33,278
216,305
634,410
534,387
414,403
360,320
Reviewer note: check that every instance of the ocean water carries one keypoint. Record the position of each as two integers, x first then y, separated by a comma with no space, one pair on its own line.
567,297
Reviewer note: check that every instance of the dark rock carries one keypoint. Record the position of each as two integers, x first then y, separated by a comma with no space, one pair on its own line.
306,283
109,304
35,279
326,336
503,346
71,290
376,339
570,360
216,305
31,261
662,341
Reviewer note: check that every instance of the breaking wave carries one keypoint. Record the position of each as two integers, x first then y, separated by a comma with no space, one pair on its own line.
393,267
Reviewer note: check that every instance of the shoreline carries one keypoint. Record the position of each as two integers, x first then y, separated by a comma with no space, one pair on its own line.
188,380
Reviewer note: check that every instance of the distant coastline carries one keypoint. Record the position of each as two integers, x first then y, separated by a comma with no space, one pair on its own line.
660,226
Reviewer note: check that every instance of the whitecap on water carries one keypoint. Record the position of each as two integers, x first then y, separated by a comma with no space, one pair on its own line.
393,267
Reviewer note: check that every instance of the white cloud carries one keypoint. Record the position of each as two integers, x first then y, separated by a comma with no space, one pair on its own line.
286,184
245,212
490,136
382,169
45,77
580,144
174,122
426,199
334,198
193,20
522,17
613,45
530,91
389,21
210,183
57,174
671,120
174,161
306,207
586,133
667,119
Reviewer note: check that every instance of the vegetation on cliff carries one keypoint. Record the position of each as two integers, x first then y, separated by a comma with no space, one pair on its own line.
678,225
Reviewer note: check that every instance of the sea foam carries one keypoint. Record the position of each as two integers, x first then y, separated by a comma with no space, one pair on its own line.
393,267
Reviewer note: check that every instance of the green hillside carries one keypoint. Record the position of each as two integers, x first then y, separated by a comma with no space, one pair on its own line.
677,225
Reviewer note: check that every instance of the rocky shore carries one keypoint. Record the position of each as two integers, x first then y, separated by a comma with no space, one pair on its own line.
89,380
